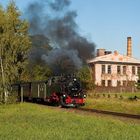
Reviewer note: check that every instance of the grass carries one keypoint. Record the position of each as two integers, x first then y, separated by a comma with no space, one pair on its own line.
126,95
112,103
35,122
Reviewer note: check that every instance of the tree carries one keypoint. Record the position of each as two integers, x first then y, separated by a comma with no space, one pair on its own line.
36,72
85,76
14,44
2,22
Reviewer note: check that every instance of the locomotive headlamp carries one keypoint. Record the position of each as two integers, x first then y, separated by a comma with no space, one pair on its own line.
74,79
64,95
85,95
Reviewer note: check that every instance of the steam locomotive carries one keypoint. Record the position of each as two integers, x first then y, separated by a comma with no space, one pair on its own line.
65,91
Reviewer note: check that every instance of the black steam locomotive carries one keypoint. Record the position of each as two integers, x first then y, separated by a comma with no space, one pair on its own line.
58,90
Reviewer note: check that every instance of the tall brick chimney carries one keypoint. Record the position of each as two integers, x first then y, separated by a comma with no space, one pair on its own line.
129,47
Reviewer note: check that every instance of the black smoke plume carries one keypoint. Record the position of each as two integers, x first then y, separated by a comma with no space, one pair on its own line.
54,20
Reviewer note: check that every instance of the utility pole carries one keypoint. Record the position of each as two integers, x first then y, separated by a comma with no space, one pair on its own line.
3,80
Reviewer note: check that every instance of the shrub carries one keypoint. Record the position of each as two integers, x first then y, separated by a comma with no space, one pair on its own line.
121,97
116,96
103,95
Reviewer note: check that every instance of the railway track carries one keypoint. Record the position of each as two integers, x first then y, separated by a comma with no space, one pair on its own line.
110,113
117,114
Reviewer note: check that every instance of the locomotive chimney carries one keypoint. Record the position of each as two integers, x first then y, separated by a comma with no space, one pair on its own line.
129,47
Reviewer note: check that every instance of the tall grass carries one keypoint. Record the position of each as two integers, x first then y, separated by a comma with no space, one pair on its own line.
35,122
113,104
118,102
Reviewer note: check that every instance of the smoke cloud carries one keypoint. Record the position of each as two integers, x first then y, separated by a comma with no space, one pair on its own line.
54,20
63,61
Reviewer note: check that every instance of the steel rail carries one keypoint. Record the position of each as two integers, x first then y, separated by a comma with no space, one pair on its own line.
110,113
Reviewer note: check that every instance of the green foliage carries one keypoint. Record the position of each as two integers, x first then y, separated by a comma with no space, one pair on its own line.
85,76
37,68
36,73
12,99
41,73
14,44
40,41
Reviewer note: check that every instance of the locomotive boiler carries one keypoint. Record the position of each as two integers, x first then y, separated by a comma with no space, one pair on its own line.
65,91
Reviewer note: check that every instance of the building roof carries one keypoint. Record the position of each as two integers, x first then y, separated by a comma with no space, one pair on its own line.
114,57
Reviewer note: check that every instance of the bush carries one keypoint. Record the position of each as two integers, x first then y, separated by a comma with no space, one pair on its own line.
88,85
121,97
103,95
98,96
116,96
11,99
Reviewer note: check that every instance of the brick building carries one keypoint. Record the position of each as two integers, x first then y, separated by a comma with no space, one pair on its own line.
113,69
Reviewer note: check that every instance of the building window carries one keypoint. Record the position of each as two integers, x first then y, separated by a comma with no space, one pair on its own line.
138,71
118,83
103,82
124,83
118,69
109,69
109,83
103,69
124,69
133,70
